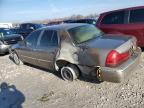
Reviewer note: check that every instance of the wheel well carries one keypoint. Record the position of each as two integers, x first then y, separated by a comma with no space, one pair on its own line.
61,63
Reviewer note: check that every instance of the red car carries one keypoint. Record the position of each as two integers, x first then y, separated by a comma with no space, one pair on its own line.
128,21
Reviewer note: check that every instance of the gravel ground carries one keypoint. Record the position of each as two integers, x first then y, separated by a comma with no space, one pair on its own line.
29,87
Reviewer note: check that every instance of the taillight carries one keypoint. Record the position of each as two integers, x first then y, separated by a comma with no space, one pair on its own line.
114,58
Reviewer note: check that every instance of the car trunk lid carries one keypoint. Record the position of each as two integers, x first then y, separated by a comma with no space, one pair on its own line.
108,42
99,48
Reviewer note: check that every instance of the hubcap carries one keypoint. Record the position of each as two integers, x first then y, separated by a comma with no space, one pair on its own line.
67,74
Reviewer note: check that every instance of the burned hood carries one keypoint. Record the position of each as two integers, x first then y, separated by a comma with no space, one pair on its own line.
106,42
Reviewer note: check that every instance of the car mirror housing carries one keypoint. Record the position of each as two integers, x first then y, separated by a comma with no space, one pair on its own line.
32,28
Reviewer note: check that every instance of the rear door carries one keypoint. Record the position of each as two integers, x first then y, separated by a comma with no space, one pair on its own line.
135,26
47,48
27,51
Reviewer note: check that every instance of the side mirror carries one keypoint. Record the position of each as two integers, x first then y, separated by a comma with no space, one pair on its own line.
32,28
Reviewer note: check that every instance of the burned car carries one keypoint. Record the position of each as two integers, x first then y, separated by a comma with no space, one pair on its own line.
79,49
8,38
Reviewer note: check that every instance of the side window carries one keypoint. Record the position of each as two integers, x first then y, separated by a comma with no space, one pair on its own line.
136,16
27,26
31,40
23,26
49,38
114,18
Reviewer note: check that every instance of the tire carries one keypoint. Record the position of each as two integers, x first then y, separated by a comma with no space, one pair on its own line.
70,72
16,59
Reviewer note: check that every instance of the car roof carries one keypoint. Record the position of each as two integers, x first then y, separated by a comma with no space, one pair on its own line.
130,8
86,19
63,26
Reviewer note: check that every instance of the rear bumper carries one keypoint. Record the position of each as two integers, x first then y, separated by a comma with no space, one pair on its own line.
118,74
4,49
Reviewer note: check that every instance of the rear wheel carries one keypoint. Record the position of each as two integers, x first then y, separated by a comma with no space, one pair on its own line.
69,72
16,59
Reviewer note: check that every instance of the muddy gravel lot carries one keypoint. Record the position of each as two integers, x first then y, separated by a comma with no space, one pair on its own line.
30,87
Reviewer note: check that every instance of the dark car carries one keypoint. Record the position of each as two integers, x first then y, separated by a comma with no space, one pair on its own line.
8,38
15,30
128,21
26,28
79,49
67,21
54,23
88,21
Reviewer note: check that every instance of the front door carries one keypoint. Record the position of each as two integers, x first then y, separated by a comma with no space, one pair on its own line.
27,51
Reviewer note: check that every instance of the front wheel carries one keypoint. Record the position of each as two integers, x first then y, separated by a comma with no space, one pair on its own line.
16,59
69,72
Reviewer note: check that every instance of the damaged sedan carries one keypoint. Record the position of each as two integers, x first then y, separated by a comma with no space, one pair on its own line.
79,49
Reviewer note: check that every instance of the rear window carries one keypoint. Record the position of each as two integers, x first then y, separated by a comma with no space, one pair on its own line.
84,33
136,16
114,18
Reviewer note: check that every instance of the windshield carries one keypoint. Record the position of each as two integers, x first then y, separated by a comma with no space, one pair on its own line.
84,33
5,32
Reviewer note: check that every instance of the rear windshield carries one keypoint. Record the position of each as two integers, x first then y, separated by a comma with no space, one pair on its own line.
84,33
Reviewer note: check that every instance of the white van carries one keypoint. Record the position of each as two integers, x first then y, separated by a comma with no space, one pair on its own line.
6,25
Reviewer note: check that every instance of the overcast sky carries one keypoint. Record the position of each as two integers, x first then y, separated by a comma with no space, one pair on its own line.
27,10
